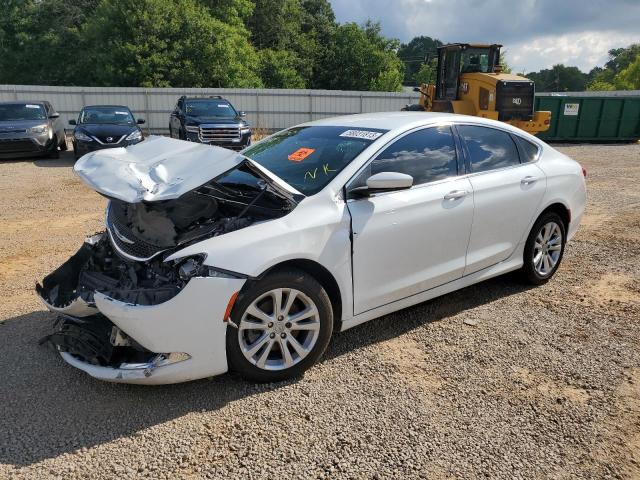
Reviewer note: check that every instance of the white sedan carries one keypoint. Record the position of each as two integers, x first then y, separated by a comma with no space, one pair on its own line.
213,260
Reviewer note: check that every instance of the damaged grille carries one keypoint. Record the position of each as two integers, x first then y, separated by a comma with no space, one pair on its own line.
125,241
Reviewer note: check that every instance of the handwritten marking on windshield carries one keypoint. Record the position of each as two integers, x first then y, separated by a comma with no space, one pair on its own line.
327,169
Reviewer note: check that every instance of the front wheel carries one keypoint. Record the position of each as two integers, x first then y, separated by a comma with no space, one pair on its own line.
284,324
544,249
63,144
54,153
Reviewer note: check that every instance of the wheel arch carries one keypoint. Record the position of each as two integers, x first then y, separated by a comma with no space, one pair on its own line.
323,276
562,210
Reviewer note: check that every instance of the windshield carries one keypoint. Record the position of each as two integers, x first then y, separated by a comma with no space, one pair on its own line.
22,111
475,60
209,108
307,158
106,115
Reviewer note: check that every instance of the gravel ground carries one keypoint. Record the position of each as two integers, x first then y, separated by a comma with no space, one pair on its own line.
545,384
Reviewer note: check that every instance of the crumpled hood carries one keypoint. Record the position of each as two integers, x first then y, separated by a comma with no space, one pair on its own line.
159,168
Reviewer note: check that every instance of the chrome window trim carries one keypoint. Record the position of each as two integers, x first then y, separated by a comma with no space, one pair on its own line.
509,132
393,140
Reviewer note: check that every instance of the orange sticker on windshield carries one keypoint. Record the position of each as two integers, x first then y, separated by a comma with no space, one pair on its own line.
301,154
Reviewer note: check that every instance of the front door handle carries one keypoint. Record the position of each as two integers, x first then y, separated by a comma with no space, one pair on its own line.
456,194
528,180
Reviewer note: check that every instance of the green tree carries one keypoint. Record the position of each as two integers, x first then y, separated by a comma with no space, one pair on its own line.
559,78
629,78
620,72
275,24
360,58
233,12
317,29
415,54
280,69
155,43
427,73
37,40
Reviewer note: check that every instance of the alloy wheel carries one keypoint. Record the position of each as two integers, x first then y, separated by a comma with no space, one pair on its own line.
279,329
547,249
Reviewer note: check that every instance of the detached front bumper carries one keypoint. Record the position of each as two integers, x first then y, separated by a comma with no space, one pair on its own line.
190,323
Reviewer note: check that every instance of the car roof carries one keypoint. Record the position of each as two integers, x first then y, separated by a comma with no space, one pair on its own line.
20,102
405,120
110,106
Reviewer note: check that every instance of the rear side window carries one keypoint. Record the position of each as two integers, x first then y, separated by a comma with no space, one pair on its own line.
489,148
427,155
529,150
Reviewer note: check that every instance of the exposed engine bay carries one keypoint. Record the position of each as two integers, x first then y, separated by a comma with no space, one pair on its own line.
126,263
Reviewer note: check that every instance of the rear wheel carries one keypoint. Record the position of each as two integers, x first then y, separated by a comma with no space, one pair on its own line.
284,325
63,144
544,249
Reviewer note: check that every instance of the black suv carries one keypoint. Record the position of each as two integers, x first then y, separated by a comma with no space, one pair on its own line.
211,120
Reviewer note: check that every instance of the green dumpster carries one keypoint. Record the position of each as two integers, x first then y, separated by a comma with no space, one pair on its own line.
591,118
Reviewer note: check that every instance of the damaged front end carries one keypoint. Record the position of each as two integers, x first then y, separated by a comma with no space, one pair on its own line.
124,311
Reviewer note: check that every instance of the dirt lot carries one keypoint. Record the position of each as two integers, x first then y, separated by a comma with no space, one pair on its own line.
546,384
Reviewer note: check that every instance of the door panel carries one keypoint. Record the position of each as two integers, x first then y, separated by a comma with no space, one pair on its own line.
505,202
409,241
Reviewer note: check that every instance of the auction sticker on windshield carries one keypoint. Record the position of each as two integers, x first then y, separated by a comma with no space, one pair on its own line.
301,154
366,134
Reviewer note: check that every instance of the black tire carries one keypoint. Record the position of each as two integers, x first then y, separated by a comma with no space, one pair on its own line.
63,145
528,272
413,107
287,279
54,153
170,131
181,135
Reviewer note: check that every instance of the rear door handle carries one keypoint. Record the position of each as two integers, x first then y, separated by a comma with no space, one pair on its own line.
456,194
528,180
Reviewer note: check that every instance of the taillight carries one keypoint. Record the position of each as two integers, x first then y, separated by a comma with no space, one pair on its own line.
547,121
584,171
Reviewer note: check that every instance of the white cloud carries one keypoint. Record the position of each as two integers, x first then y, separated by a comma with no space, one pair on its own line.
536,33
583,50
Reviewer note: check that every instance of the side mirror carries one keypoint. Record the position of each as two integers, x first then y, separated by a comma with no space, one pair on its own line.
242,114
54,115
384,182
72,122
141,121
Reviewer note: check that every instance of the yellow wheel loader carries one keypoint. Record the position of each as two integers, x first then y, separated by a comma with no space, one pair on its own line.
470,81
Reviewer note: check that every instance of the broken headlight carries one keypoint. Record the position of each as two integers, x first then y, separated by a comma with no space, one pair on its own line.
190,267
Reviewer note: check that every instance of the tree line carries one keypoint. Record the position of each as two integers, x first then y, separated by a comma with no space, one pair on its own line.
233,43
193,43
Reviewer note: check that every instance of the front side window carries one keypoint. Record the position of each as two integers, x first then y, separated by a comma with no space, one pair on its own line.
427,155
209,108
99,115
489,148
308,158
22,111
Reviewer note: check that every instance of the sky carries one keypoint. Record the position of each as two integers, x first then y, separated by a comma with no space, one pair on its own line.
536,34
